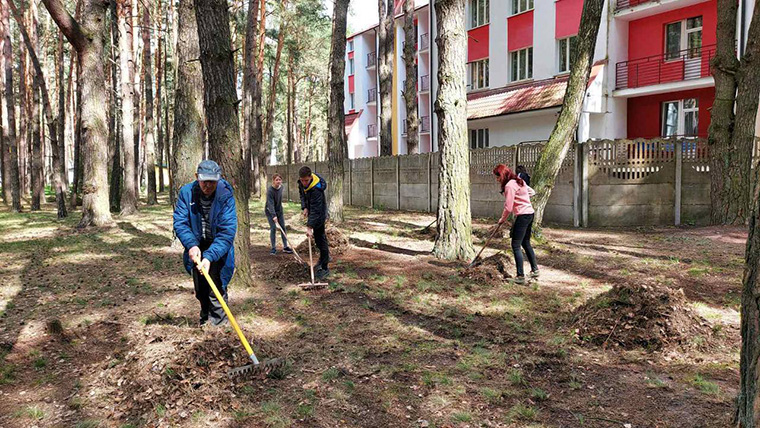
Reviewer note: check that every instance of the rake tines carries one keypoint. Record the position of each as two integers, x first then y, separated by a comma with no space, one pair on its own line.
264,367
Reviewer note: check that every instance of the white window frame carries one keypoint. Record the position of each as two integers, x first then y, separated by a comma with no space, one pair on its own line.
480,13
681,118
521,6
565,68
479,68
351,101
684,38
516,56
350,46
350,65
479,138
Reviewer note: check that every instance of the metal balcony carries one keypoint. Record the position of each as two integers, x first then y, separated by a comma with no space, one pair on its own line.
372,95
688,64
371,131
424,42
371,59
425,124
425,83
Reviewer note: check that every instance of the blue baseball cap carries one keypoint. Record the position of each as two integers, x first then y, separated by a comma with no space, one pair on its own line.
209,170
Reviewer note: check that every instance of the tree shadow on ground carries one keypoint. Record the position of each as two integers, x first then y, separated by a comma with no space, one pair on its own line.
387,248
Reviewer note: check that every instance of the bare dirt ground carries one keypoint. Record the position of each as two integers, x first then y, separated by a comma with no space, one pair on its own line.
398,339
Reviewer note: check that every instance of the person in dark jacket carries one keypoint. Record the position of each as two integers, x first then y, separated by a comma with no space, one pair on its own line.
205,221
522,173
275,216
311,188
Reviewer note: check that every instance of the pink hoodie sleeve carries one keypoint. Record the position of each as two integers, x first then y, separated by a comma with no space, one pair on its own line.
509,201
531,192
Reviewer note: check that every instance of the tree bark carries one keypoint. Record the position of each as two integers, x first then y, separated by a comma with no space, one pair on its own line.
410,91
386,38
59,160
188,100
128,196
335,115
11,157
149,139
220,102
259,159
37,178
114,124
748,83
160,100
289,112
729,167
454,241
251,114
267,137
135,74
563,134
95,204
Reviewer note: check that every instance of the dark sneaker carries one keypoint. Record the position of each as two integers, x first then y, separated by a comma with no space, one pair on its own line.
287,250
322,273
273,252
534,274
520,280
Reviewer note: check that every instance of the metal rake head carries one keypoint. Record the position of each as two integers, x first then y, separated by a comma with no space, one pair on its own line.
265,367
307,286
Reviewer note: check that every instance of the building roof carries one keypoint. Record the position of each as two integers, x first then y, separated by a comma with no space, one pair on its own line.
517,98
351,120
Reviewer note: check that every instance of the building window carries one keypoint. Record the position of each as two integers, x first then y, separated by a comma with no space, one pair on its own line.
351,105
568,49
350,65
478,71
522,64
479,12
683,36
479,138
350,46
680,118
520,6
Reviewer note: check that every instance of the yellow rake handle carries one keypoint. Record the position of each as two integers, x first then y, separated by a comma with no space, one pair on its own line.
228,312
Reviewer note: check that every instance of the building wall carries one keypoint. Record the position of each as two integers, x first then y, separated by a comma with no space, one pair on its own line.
514,129
645,113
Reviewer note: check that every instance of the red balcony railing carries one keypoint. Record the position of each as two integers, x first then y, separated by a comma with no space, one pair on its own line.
371,131
425,124
688,64
424,42
624,4
371,59
425,83
372,95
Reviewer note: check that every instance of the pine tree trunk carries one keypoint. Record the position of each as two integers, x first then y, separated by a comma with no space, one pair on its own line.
386,38
188,100
61,152
289,111
220,102
135,74
69,126
454,240
128,194
24,130
267,137
114,125
336,137
37,178
748,83
729,167
149,139
410,91
259,157
12,188
250,83
563,134
160,101
95,204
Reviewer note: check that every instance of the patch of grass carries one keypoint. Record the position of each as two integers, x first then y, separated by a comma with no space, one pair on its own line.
538,394
160,410
705,385
522,412
88,423
462,417
330,374
516,377
492,395
40,363
31,412
305,410
7,373
425,285
399,281
698,272
654,381
241,415
431,379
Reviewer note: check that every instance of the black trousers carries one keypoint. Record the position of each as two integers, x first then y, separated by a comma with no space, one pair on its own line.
521,232
320,239
210,305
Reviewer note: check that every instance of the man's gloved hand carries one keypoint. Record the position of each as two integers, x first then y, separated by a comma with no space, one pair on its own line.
194,253
204,266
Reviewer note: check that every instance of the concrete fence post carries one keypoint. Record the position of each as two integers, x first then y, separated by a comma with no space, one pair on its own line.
578,147
584,184
287,180
679,172
372,183
398,182
430,181
350,182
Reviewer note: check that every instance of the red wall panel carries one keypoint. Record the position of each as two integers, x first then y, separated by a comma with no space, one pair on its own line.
567,17
477,43
646,36
351,84
351,55
645,113
520,31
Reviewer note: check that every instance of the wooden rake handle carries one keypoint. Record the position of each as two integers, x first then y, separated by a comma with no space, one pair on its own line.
498,226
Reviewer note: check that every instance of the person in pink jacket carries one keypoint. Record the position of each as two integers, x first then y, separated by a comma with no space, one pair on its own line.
517,202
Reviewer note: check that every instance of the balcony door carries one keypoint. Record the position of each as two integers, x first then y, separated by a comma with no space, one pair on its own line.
683,41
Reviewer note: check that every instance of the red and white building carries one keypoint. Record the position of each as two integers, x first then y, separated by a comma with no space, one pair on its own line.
651,75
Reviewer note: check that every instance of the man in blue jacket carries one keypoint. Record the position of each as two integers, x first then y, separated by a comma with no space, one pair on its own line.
311,189
205,221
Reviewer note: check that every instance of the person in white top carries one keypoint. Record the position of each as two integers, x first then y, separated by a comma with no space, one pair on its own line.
517,203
